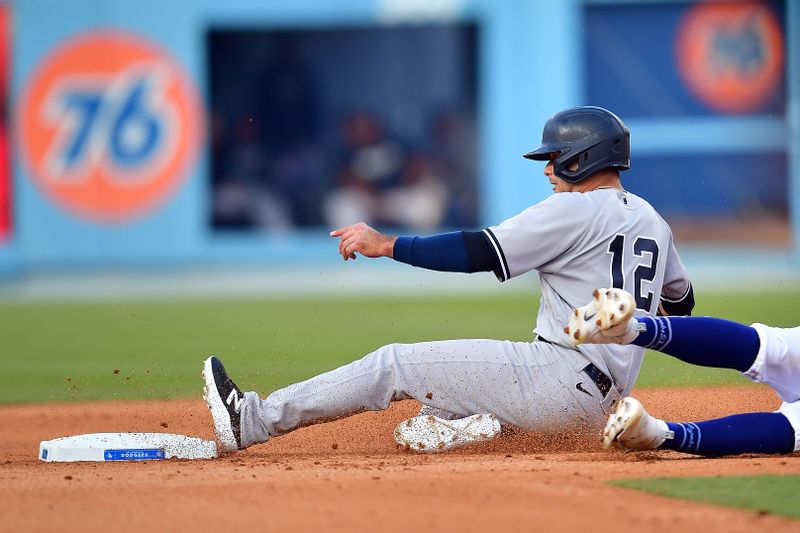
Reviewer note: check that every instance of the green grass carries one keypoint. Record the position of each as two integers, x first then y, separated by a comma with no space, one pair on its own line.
766,494
69,351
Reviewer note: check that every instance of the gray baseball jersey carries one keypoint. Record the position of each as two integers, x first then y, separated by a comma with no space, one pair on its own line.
582,241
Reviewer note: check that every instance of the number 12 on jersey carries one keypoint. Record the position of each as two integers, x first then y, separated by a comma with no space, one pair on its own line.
645,270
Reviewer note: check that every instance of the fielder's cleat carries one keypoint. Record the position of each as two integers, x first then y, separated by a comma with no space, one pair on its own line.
633,428
225,402
429,433
606,319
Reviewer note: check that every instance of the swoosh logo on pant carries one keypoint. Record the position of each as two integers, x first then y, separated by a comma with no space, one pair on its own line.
580,388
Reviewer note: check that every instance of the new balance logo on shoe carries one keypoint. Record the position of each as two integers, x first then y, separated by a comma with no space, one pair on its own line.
234,399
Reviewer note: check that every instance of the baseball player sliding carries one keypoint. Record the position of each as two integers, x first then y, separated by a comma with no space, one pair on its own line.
762,353
590,233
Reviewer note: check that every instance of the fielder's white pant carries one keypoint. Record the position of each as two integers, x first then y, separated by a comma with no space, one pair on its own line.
778,365
530,385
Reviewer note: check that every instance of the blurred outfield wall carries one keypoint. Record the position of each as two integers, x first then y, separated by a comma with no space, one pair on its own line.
125,126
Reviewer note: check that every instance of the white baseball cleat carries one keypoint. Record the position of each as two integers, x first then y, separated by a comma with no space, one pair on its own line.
607,319
428,433
634,428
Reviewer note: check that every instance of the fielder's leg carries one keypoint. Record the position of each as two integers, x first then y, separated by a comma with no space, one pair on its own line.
703,341
777,362
762,353
633,428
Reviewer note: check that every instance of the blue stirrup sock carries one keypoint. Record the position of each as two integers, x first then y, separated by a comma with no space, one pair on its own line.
701,340
733,435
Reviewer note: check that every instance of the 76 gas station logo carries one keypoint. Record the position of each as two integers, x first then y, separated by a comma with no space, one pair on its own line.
108,125
123,125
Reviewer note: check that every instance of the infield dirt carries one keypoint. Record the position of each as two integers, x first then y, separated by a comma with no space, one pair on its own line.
349,476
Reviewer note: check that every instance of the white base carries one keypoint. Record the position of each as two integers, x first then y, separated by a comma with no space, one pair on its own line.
126,447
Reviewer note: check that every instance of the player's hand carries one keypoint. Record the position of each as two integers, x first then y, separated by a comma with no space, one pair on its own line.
363,239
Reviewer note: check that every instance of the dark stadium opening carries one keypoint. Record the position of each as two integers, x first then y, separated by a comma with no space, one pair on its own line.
318,128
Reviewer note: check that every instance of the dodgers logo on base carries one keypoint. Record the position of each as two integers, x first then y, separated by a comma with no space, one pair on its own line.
109,124
134,455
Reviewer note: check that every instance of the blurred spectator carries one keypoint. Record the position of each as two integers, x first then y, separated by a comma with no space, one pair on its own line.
456,161
368,152
354,200
243,198
370,165
419,202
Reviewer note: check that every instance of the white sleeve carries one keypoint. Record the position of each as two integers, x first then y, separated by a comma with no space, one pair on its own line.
538,235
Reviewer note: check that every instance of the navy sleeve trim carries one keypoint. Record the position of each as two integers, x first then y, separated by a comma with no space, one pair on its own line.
502,273
482,257
682,306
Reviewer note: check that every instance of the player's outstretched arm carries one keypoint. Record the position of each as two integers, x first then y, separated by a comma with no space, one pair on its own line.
457,251
365,240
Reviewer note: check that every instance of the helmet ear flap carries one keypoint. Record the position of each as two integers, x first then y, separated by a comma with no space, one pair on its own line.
574,164
568,169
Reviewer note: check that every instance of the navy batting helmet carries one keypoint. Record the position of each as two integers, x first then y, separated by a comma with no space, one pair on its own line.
593,137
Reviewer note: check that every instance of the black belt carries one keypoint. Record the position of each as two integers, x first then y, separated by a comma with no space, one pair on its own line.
603,382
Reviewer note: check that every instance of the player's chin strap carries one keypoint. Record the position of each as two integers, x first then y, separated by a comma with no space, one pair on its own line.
604,383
